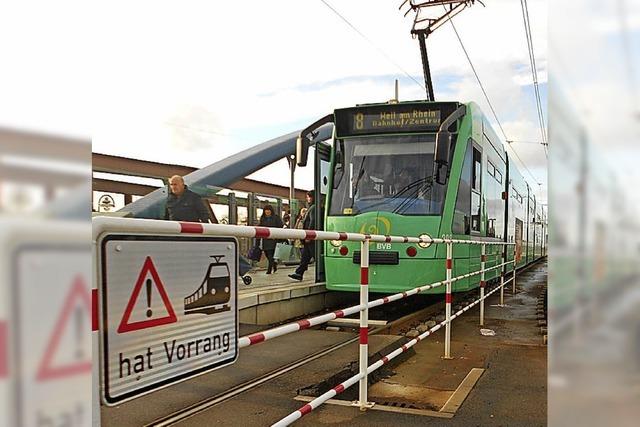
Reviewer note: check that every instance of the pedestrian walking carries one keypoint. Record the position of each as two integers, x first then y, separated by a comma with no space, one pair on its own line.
185,205
269,219
309,246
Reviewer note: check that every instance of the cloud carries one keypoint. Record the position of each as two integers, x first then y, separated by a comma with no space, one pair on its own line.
195,128
196,83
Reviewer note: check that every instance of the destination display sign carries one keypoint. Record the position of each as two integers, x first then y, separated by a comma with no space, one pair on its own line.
391,118
169,307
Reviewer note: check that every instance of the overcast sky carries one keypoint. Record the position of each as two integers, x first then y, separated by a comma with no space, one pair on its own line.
595,62
194,82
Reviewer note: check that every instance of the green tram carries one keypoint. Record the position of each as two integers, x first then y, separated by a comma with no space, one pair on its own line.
423,168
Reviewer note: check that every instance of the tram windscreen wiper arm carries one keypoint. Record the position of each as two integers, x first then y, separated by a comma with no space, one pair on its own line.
418,186
360,174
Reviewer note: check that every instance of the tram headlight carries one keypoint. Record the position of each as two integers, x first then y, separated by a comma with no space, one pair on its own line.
336,243
424,245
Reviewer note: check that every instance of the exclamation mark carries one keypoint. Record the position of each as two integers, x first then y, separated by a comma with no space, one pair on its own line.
149,312
79,331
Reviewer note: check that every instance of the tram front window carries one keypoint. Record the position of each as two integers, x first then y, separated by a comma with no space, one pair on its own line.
218,278
391,174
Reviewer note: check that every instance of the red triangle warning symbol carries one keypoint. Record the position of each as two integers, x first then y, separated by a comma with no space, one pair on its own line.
125,324
77,301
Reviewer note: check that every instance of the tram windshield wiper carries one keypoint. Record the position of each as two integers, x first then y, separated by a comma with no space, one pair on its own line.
411,186
407,192
359,175
423,184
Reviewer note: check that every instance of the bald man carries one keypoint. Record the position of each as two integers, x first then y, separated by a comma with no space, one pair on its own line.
183,204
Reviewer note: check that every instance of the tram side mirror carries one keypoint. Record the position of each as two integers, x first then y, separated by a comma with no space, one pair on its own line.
302,150
443,142
441,157
338,170
441,173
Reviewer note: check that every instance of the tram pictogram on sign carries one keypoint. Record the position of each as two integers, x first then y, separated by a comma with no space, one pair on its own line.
213,294
126,325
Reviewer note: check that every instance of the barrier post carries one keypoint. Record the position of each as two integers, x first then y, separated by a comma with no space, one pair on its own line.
448,300
502,271
514,273
483,259
364,323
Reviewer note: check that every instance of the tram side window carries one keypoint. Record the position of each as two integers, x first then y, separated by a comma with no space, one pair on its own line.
477,169
498,176
475,190
491,169
462,214
339,164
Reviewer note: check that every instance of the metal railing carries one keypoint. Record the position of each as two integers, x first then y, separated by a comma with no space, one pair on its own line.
364,306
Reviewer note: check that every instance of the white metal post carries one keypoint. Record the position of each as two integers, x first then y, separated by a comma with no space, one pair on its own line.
448,300
483,259
514,272
364,323
502,271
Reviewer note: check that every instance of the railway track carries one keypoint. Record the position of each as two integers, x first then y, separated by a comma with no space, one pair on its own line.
391,327
396,326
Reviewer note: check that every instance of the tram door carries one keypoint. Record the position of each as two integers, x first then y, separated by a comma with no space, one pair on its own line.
321,179
518,238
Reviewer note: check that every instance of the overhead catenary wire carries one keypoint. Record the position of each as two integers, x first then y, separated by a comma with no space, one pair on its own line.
389,58
422,86
534,71
473,68
495,116
523,164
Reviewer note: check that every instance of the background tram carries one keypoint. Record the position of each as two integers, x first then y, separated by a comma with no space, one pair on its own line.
416,168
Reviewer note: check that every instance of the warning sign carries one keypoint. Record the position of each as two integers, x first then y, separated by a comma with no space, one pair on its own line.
168,310
153,282
73,319
51,345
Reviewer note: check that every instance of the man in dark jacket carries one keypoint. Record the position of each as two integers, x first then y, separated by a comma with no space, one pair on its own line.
183,204
309,248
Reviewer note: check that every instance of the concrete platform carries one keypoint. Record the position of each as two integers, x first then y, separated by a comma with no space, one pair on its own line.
261,280
275,298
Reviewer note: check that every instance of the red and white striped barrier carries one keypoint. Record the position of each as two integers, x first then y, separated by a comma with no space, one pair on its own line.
100,224
448,300
364,322
315,403
172,227
296,326
299,325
